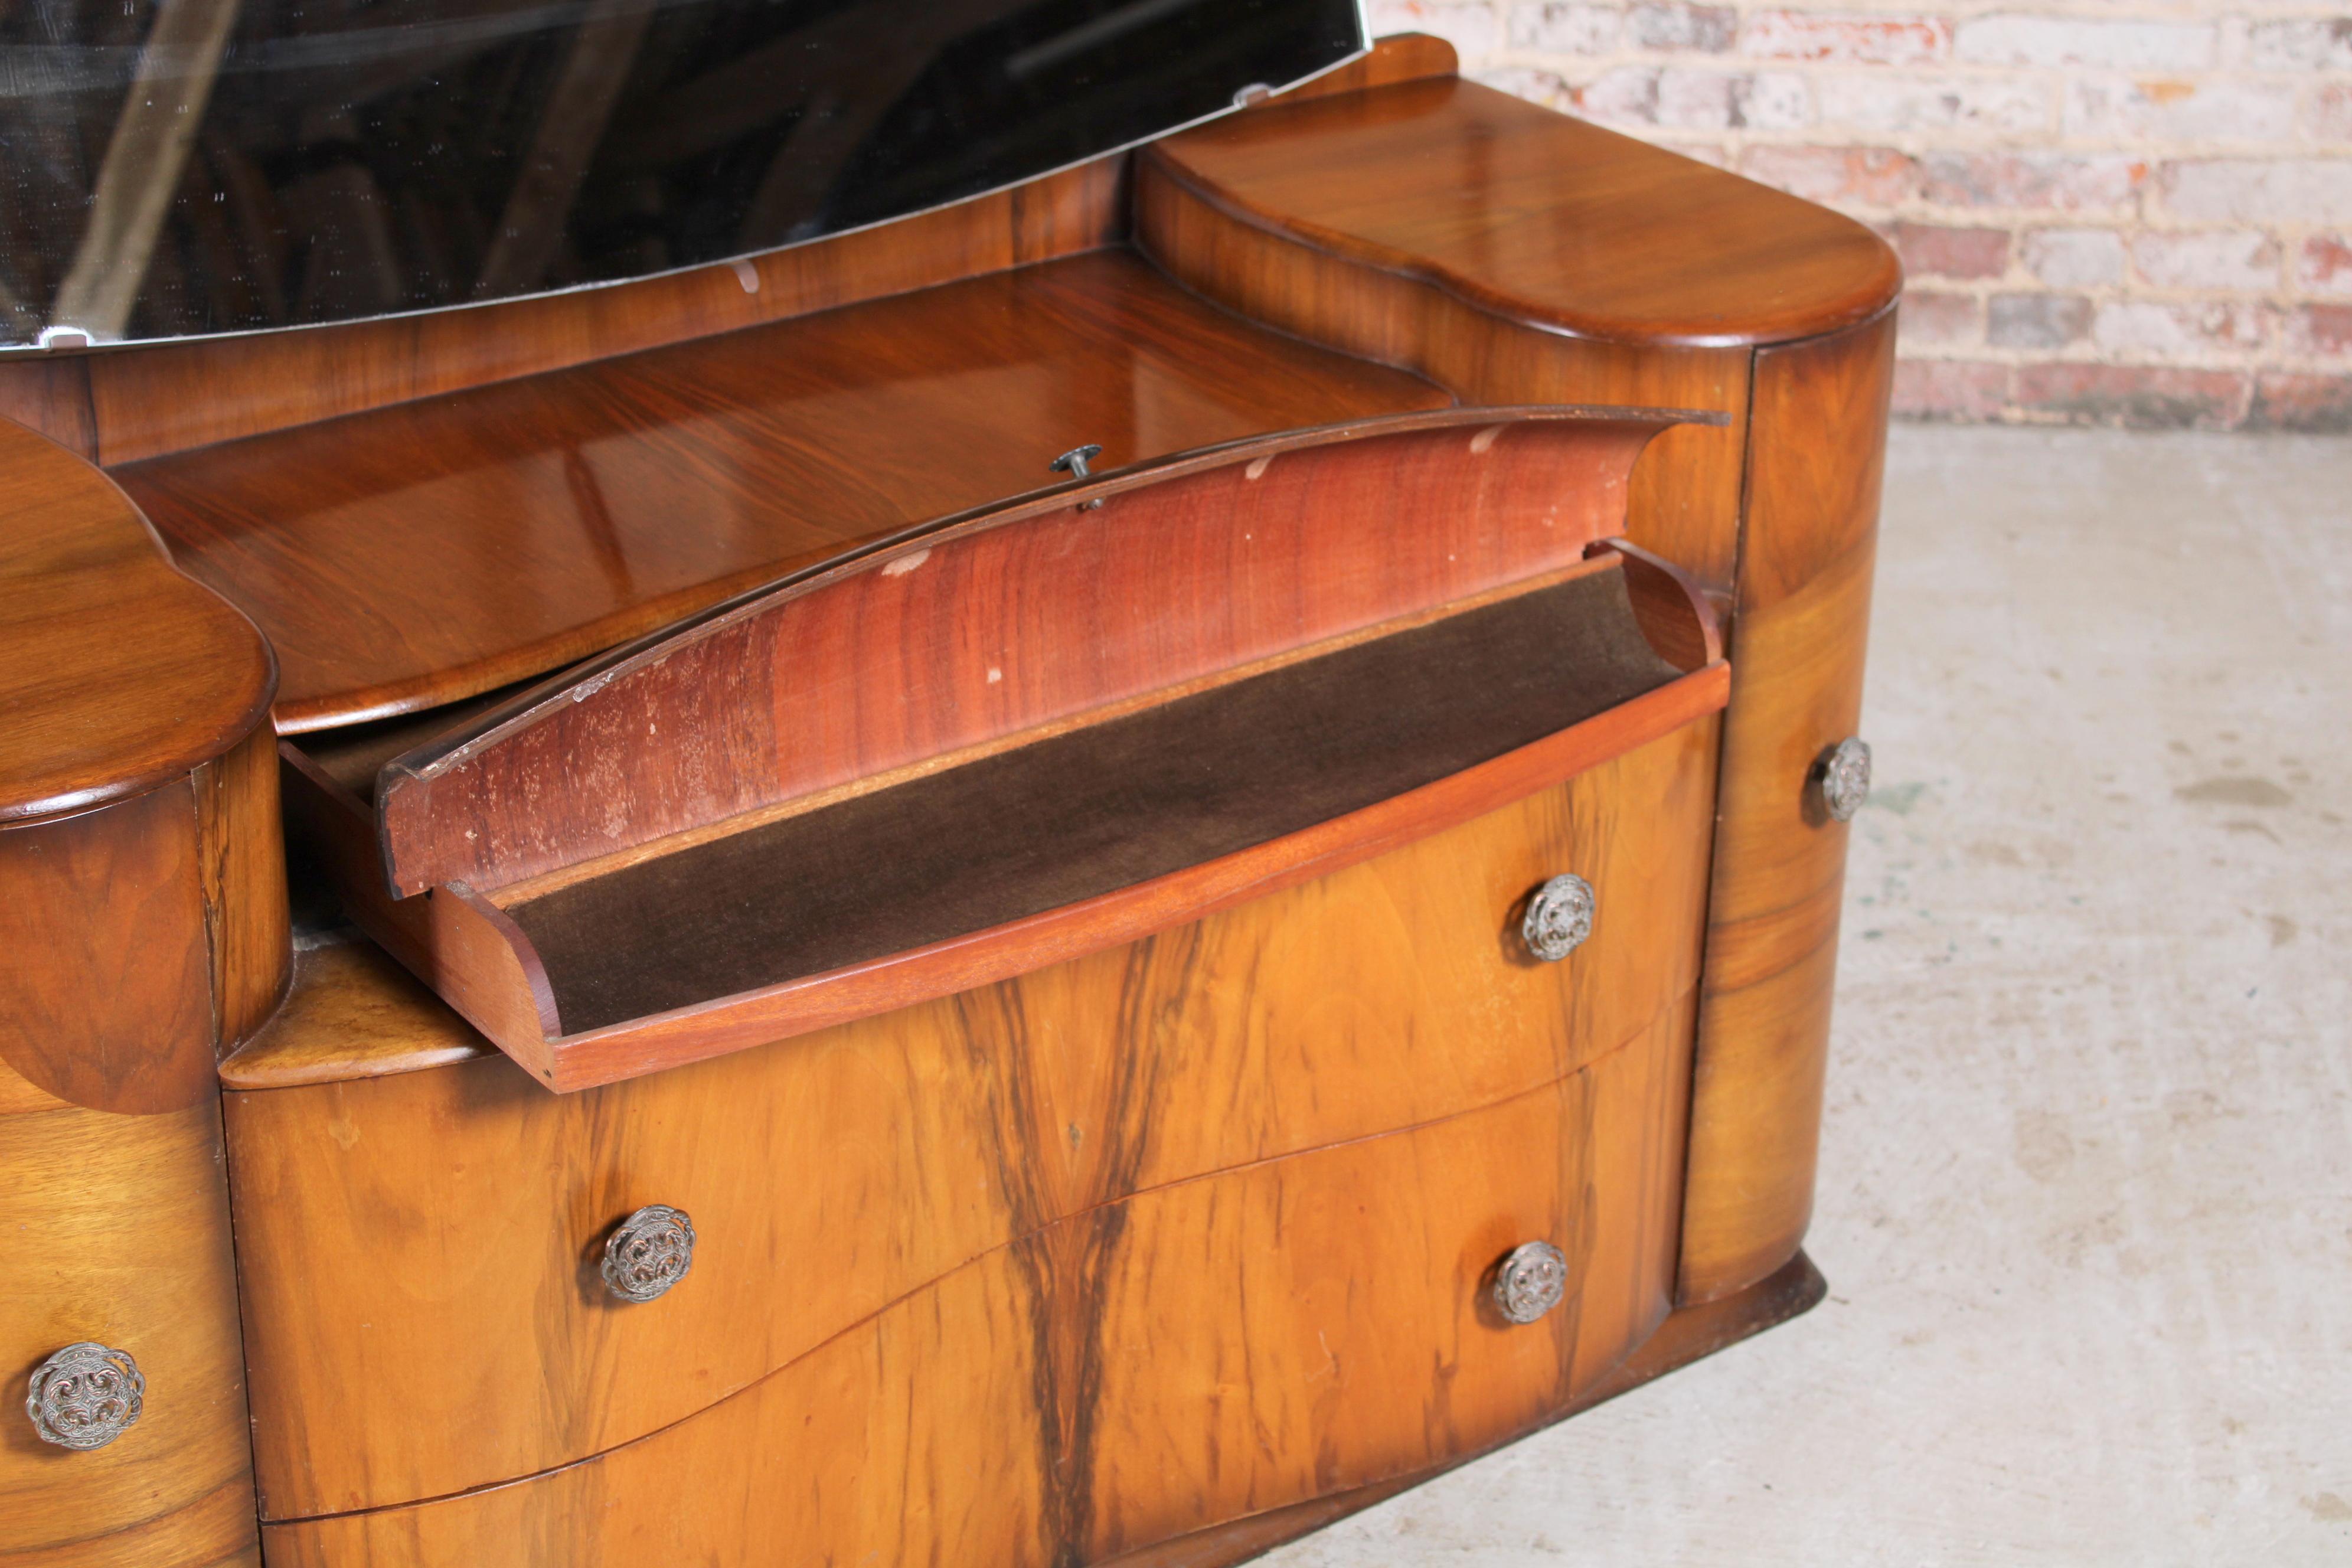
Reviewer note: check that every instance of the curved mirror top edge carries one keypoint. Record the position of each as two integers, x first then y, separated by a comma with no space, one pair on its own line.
186,168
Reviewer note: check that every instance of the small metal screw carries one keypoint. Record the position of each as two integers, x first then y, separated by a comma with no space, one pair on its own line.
1073,463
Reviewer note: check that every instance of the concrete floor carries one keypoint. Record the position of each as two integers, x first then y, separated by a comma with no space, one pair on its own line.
2085,1203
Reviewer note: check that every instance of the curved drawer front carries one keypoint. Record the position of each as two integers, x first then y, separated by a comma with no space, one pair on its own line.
1193,1355
420,1253
125,1232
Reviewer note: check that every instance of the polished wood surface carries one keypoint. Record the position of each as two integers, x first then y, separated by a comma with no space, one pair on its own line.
106,987
1688,1334
477,958
1771,531
1085,813
120,406
117,674
241,868
1537,217
1011,619
351,1011
1685,496
999,1112
121,1227
1675,613
1297,1336
427,552
1802,622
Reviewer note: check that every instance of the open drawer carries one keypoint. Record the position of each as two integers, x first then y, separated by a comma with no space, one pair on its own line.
1020,734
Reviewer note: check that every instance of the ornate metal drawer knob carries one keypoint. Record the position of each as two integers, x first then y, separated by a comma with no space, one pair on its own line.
1559,919
85,1396
1531,1282
651,1252
1845,778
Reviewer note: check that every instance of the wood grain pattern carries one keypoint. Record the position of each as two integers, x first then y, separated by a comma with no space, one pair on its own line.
127,1227
1006,620
117,673
1537,217
1688,1334
1086,811
351,1011
1686,495
485,967
1804,619
423,553
1676,614
1400,57
168,397
999,1112
986,1417
105,973
241,865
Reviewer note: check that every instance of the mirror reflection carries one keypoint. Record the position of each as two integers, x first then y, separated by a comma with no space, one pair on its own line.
171,167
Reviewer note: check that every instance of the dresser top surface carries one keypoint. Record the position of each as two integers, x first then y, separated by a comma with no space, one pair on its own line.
1540,217
421,553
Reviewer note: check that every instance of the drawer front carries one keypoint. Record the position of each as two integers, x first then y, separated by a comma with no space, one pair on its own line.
1240,1341
424,1310
121,1232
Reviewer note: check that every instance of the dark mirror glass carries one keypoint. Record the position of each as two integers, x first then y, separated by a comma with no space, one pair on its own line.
169,167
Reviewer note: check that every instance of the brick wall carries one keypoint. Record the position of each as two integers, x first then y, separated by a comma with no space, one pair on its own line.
2109,211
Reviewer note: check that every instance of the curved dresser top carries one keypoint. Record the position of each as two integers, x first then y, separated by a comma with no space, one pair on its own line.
118,673
421,553
1539,218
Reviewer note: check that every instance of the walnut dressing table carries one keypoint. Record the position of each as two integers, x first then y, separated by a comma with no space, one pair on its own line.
1089,876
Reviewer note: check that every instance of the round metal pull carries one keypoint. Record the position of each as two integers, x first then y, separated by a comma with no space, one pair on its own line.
1530,1281
84,1396
1559,918
649,1253
1845,778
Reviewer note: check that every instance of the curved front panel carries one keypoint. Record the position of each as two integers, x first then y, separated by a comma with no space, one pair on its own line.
1197,1353
422,1253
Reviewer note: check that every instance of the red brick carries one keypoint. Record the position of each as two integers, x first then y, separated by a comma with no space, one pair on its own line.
2321,405
2141,396
1838,177
2048,182
2325,266
1949,389
2321,329
1848,38
1936,250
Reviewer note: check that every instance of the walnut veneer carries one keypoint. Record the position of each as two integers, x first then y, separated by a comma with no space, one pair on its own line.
1483,497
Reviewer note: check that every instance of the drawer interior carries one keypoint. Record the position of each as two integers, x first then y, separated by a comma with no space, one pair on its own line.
1085,813
1019,736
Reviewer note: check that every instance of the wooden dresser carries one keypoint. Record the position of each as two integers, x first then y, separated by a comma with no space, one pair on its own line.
1085,879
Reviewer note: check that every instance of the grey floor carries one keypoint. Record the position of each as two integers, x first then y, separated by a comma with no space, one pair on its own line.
2085,1203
